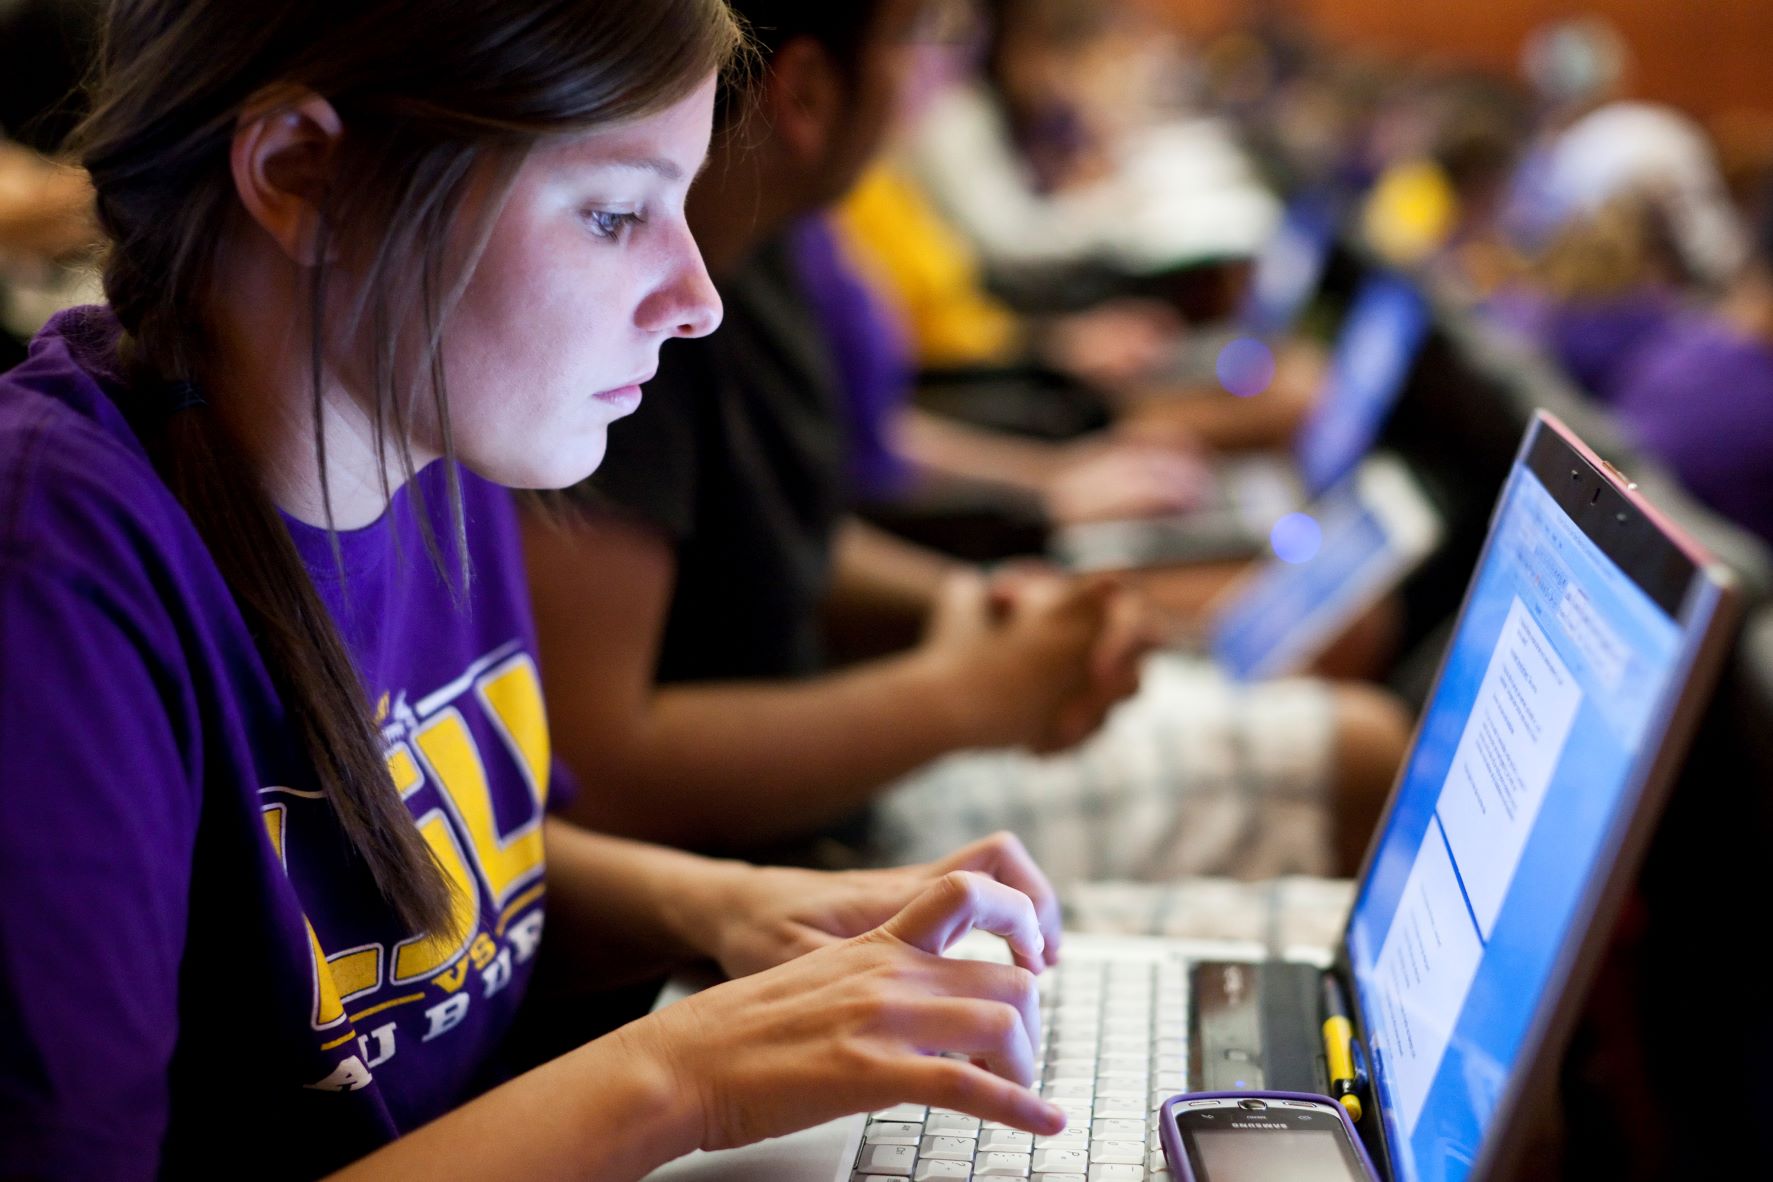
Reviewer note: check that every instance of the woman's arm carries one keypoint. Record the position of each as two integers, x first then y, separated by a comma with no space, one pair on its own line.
847,1028
727,764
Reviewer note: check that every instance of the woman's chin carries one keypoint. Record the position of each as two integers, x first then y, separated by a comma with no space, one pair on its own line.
560,467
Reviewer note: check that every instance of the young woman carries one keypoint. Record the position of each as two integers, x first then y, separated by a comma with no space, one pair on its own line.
273,828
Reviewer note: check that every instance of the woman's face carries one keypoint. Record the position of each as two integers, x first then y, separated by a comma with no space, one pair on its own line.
587,271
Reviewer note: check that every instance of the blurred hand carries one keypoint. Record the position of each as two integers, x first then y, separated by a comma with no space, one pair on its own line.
1112,481
764,916
1113,344
1013,654
865,1023
1131,629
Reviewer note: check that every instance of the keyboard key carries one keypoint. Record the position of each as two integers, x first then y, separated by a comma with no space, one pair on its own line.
890,1132
1119,1130
1074,1161
1079,1140
1116,1172
1006,1140
895,1160
1065,1178
900,1112
1001,1165
950,1148
935,1170
952,1124
1122,1065
1131,1153
1120,1110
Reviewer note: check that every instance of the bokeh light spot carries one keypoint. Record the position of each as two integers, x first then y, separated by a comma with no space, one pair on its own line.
1296,538
1245,367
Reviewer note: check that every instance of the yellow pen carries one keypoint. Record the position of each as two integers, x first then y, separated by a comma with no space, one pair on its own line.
1338,1038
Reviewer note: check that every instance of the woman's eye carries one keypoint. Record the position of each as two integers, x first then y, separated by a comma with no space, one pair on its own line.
613,226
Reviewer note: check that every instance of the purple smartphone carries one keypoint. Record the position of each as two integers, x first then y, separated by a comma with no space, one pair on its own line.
1262,1137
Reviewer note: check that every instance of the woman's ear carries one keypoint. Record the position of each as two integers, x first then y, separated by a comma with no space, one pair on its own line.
285,146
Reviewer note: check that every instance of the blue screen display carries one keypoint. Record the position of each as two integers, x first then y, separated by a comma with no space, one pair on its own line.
1544,709
1281,615
1374,351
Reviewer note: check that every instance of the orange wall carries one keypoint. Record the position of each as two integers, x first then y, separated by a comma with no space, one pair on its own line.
1714,57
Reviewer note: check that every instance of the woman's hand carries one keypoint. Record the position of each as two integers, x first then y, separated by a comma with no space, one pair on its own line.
865,1023
755,918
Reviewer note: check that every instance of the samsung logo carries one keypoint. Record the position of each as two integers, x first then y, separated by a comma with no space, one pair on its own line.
1250,1124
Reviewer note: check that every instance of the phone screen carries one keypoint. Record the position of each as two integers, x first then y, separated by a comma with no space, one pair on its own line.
1226,1146
1273,1155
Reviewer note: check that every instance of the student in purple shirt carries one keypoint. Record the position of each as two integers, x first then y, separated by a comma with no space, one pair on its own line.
274,840
1698,394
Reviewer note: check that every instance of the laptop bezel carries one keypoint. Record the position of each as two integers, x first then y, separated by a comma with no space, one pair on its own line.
1551,450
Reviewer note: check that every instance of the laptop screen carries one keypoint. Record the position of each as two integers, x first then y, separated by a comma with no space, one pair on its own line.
1373,528
1522,766
1374,352
1290,267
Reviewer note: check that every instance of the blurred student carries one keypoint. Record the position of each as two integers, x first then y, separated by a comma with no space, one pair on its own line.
1046,161
680,602
1698,393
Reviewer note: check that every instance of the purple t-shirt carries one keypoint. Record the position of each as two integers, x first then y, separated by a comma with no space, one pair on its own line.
1699,398
869,349
1595,342
191,961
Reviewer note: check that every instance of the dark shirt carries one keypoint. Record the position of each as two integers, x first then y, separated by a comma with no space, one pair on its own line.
738,455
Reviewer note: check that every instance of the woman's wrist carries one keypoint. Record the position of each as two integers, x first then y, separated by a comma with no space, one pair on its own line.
700,904
656,1109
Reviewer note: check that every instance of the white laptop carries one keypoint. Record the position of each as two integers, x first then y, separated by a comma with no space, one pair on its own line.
1587,645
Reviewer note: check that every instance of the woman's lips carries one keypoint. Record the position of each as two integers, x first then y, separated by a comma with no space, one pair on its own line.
623,398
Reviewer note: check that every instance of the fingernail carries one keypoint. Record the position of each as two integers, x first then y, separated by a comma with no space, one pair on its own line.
1055,1116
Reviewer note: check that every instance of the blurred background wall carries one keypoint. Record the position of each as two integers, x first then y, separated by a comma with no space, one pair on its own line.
1710,57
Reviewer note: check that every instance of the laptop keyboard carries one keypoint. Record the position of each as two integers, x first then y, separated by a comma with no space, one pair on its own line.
1114,1037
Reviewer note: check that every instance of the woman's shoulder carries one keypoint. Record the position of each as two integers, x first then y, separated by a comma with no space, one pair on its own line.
76,487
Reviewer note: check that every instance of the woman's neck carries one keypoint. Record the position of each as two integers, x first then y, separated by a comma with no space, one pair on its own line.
258,383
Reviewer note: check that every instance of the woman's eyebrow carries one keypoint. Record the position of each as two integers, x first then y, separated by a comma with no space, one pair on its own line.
665,168
660,166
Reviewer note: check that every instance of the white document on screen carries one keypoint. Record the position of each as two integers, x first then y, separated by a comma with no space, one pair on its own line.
1505,759
1525,708
1426,966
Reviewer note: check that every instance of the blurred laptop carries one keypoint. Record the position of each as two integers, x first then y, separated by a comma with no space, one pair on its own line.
1589,640
1327,567
1374,353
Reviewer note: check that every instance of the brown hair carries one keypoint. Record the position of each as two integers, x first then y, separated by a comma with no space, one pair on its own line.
432,96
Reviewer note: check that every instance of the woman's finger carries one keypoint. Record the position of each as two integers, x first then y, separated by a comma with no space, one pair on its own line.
1005,858
1003,984
991,1033
952,1083
961,901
